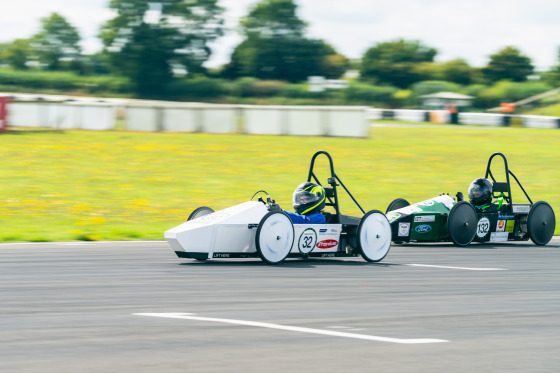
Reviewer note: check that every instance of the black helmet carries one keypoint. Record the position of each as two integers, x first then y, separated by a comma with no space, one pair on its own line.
480,192
309,198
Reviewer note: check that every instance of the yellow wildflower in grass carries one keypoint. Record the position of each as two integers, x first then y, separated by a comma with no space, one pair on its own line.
81,207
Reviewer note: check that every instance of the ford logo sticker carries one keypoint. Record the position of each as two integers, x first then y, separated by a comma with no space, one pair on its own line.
422,229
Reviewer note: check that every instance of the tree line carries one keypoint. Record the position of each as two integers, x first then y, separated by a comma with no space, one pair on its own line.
156,43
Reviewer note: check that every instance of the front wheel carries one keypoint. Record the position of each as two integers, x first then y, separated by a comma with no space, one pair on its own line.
541,223
461,223
275,237
374,236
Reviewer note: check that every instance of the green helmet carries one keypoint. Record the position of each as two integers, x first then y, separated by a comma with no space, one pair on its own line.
309,198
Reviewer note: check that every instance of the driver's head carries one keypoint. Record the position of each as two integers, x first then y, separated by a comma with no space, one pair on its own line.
480,192
309,198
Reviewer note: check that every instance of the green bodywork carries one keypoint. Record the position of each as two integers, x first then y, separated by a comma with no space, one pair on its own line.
423,221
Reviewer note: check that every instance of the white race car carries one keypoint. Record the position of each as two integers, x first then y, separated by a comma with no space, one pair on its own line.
260,228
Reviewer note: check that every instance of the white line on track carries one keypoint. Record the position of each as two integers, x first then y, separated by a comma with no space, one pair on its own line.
554,238
85,242
190,316
454,267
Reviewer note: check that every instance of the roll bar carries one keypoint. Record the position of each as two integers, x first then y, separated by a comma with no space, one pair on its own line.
331,192
504,187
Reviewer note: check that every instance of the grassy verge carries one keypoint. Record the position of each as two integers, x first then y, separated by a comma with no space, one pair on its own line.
551,110
77,185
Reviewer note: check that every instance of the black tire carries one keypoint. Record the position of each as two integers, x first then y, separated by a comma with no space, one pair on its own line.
374,236
461,223
541,223
199,212
275,237
397,204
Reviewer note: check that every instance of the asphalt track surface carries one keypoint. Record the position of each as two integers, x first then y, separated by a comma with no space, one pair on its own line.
135,307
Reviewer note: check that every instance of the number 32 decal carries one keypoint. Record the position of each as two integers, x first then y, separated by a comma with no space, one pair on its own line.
307,241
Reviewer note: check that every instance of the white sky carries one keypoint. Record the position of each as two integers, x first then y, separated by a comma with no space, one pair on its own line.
468,29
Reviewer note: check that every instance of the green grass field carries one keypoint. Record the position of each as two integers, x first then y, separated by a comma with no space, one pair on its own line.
77,185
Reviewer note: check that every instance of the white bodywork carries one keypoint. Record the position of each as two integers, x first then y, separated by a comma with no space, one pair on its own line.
233,230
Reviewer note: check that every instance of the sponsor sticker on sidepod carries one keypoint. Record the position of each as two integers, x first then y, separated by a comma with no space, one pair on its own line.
429,218
501,225
422,229
404,228
328,243
519,208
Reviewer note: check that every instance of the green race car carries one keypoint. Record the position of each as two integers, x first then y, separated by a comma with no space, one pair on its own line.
446,218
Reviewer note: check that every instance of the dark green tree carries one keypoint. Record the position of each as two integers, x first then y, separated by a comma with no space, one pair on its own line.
57,40
3,49
552,76
149,38
273,19
333,64
457,71
280,59
396,62
95,64
275,47
508,64
16,53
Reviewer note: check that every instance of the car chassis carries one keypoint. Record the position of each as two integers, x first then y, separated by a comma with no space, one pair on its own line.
261,229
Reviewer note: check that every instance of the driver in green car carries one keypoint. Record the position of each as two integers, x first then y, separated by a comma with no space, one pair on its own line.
480,196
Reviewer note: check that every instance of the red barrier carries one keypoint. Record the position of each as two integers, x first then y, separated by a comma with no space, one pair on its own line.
3,113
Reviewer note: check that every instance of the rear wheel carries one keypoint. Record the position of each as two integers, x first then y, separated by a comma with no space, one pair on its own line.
374,236
541,223
199,212
461,223
397,204
275,237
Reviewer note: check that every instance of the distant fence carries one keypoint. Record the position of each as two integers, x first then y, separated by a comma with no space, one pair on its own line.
62,116
152,116
464,118
541,122
488,119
